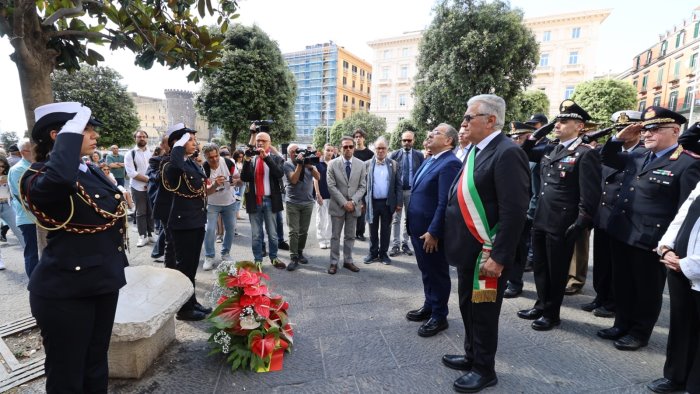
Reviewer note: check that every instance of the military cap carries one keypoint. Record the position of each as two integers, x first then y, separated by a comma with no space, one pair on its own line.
655,116
537,118
518,128
626,117
568,109
176,131
588,126
53,116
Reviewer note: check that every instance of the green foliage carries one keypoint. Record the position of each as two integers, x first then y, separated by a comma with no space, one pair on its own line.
372,124
100,89
471,47
319,138
167,32
603,97
525,105
8,138
253,83
401,127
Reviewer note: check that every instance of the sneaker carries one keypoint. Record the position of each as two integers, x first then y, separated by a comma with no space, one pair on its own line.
277,263
159,259
226,257
406,250
2,265
219,239
385,259
151,240
293,264
395,251
303,259
282,245
143,241
208,263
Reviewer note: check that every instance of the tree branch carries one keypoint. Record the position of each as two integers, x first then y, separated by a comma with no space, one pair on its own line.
64,12
78,33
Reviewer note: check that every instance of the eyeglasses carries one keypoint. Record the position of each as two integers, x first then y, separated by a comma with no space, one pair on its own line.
468,118
406,140
380,148
434,134
262,140
348,147
656,129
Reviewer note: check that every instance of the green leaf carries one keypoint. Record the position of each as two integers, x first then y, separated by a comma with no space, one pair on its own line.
201,4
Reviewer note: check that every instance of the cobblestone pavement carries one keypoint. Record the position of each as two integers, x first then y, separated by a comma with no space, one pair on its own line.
351,336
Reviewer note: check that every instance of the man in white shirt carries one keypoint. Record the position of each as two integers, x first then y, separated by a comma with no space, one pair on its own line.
463,147
136,164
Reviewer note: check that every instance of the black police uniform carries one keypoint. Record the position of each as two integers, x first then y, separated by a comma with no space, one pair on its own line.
644,209
188,214
162,201
73,291
569,195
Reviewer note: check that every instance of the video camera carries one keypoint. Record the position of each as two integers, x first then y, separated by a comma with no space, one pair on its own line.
309,157
251,151
262,125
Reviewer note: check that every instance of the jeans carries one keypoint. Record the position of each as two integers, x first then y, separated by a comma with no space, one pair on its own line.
31,253
228,215
265,215
298,220
8,215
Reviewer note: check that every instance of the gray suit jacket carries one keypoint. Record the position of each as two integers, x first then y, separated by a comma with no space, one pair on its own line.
343,189
395,195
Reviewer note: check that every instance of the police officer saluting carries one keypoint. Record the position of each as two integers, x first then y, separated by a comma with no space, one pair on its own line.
662,179
569,196
73,292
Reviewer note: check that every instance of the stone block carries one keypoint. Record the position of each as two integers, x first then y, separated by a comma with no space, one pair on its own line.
144,323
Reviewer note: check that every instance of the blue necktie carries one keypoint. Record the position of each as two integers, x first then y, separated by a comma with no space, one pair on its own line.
347,169
406,173
649,159
424,169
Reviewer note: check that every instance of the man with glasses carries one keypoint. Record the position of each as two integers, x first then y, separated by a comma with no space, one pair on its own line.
661,180
409,160
569,196
426,226
463,146
347,184
136,165
363,153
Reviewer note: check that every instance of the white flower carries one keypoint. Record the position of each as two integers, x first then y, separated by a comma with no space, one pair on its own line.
249,323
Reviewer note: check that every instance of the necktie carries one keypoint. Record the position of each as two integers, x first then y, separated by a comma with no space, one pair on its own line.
558,149
406,171
424,169
347,169
649,159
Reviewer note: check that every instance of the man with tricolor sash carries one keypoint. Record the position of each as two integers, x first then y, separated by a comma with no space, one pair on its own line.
485,215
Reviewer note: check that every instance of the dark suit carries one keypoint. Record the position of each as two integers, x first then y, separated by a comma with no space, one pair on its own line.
73,291
188,214
502,179
426,213
569,194
380,210
416,159
648,202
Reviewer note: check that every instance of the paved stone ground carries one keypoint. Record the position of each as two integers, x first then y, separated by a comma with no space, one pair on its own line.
351,337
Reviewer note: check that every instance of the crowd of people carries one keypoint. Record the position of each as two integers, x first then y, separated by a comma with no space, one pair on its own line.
512,200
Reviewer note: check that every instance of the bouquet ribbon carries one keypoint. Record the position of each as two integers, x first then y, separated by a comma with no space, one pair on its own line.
474,215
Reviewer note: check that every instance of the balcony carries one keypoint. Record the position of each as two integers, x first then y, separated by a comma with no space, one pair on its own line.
643,92
544,70
384,81
403,81
573,69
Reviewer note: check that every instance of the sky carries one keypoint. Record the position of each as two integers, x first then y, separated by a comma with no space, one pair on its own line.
628,31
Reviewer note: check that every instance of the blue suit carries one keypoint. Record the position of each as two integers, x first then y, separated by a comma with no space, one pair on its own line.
426,214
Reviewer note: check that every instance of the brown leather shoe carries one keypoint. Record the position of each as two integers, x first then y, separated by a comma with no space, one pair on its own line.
351,267
333,269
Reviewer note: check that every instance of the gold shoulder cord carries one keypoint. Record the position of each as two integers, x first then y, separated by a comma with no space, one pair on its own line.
195,192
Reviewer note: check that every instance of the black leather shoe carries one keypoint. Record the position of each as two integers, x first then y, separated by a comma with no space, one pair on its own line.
369,259
202,308
457,361
572,290
282,245
613,333
361,238
385,259
511,293
395,251
432,327
419,314
663,385
628,342
545,323
591,306
530,314
603,312
294,264
302,259
473,382
406,250
190,315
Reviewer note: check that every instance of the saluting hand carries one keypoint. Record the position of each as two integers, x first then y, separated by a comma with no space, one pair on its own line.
630,132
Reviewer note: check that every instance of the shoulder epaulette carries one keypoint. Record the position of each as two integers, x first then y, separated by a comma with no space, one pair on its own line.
676,153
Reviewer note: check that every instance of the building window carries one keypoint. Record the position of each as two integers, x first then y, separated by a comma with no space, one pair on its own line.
345,81
385,72
696,31
664,47
402,100
544,60
645,79
362,87
657,101
634,83
346,65
353,101
367,89
636,63
576,32
369,76
404,71
362,73
354,69
673,100
573,57
688,101
660,77
642,105
693,61
648,57
345,98
404,52
362,103
384,101
677,69
353,84
546,36
680,38
387,54
568,92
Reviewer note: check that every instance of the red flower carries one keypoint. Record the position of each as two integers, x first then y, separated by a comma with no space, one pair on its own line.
263,346
258,289
243,278
261,304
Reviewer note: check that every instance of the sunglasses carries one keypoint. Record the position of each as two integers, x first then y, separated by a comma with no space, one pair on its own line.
348,147
406,140
468,118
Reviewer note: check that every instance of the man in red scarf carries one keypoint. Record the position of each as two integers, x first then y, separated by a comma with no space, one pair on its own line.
263,172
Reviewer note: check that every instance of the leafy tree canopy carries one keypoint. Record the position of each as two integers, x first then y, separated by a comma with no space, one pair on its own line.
8,138
526,104
319,138
253,83
471,47
603,97
101,90
372,124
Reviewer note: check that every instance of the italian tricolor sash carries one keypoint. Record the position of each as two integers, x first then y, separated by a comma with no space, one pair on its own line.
472,209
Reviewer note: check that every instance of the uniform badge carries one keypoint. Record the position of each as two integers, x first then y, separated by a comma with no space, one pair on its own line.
623,118
565,105
676,154
650,113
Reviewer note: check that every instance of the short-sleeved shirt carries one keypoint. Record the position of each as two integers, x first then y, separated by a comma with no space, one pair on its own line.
302,191
117,172
363,154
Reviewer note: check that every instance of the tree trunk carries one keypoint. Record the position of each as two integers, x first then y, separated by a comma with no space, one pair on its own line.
34,60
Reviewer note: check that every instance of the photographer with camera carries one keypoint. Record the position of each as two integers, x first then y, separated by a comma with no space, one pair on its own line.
299,174
262,169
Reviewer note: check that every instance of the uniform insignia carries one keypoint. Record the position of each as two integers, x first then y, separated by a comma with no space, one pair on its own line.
623,118
662,172
650,113
575,144
676,154
565,104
